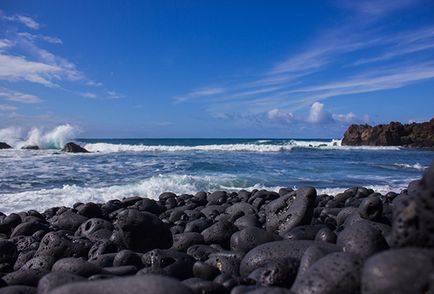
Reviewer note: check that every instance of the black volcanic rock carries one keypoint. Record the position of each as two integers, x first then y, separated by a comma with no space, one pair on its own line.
30,147
74,148
3,145
392,134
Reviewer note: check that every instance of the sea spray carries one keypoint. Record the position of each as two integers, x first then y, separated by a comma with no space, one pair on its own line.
53,139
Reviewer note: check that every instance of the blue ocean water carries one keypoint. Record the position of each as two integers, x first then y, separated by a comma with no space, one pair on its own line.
147,167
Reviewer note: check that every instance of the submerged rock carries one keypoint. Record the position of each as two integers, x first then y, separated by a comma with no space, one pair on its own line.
4,145
74,148
31,147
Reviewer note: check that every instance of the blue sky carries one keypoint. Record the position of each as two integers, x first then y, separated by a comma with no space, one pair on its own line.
215,68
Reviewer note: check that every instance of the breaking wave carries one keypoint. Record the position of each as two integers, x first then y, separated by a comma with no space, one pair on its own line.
52,139
260,146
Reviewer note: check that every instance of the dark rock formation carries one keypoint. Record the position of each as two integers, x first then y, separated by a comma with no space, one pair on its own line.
392,134
3,145
74,148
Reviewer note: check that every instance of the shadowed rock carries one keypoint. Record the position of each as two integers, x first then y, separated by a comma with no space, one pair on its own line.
3,145
74,148
392,134
148,284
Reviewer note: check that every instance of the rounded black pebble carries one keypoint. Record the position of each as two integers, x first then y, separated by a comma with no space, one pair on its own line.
197,225
205,271
148,284
326,235
361,239
413,214
27,277
279,274
18,289
56,279
246,221
68,220
251,237
170,262
76,266
337,272
40,262
291,210
93,225
56,245
305,232
226,263
199,286
140,231
90,210
124,270
371,208
201,252
279,250
400,271
8,252
219,233
128,257
183,241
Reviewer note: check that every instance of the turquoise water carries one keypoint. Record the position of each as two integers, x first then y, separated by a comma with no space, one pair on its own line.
146,167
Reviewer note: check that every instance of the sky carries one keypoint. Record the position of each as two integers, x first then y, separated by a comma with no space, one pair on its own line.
204,69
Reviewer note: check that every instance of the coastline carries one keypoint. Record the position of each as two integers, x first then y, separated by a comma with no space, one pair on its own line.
226,241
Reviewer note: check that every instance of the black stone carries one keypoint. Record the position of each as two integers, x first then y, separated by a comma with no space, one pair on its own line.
140,231
337,272
74,148
148,284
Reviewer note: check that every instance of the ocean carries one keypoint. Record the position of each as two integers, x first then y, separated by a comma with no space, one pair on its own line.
119,168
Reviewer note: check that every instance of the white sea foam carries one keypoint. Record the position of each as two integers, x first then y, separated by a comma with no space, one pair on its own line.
416,166
151,187
53,139
246,147
107,148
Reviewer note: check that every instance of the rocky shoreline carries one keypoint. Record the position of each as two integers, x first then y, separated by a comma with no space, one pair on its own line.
358,241
419,135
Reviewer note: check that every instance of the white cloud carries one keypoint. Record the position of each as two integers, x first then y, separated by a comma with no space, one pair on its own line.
17,68
25,20
49,39
378,7
277,115
202,92
5,43
318,114
114,95
18,96
6,108
88,95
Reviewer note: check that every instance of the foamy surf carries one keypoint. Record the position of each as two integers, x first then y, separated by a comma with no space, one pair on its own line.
151,188
416,166
259,147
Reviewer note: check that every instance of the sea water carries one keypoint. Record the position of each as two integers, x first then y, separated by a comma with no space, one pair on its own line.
117,168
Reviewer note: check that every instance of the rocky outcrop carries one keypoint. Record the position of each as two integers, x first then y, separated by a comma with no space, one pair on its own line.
3,145
74,148
392,134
